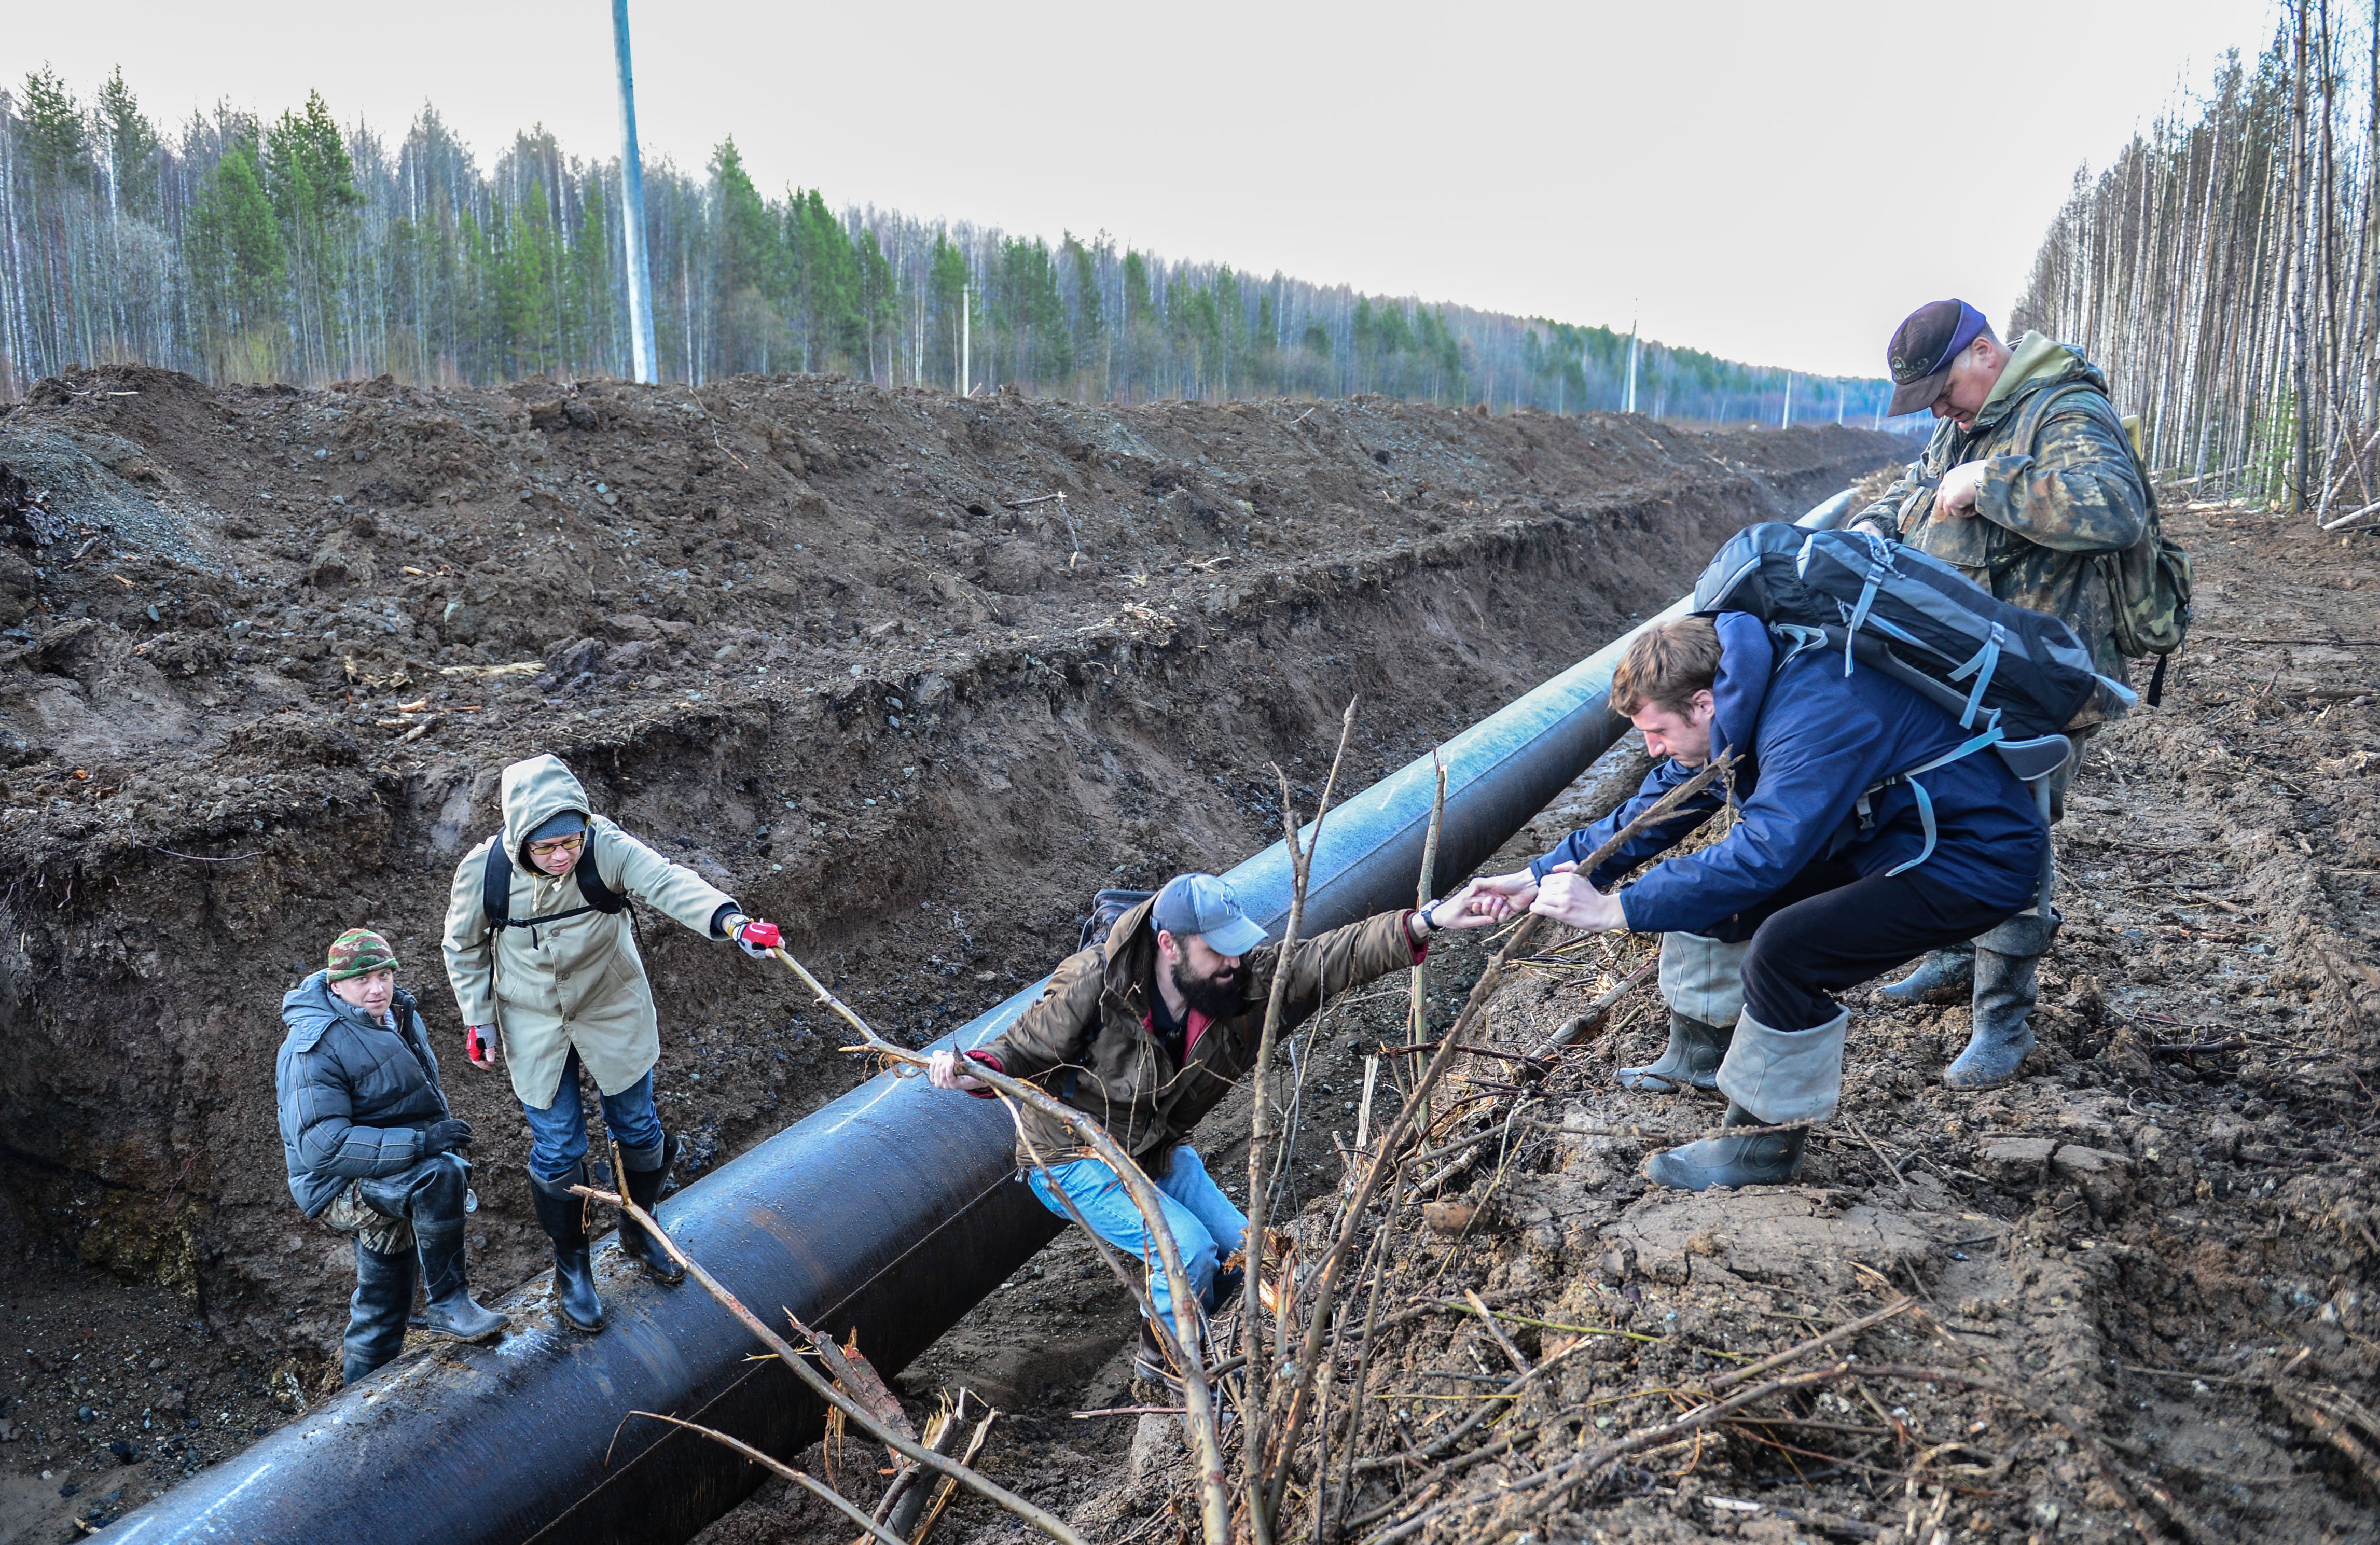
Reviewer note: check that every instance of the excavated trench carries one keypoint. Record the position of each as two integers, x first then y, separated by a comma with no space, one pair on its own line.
817,643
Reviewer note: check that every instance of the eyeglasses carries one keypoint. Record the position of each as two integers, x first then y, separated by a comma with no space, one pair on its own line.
553,845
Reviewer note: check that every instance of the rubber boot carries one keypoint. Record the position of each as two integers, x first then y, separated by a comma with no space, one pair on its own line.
1771,1077
451,1310
564,1218
644,1170
1769,1159
376,1314
2007,970
1693,1057
1943,976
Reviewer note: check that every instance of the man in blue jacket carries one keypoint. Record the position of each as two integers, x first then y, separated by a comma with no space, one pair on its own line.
1832,873
371,1148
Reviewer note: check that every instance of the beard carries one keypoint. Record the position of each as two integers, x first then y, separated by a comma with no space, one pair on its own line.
1216,997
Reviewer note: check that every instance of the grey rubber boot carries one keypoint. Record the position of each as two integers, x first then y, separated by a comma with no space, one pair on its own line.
2007,970
1693,1057
564,1218
645,1169
1767,1159
1771,1077
376,1314
1943,976
1702,980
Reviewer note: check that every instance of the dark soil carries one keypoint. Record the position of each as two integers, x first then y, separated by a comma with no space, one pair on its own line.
265,652
2161,1259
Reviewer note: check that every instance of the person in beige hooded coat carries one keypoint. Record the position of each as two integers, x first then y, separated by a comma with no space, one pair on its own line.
548,980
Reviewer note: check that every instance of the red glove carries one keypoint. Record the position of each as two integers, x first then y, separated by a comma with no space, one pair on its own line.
758,937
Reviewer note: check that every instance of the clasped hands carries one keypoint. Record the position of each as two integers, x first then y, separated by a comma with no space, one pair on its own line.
1565,895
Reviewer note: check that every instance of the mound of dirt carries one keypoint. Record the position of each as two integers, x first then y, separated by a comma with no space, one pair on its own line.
2130,1293
914,675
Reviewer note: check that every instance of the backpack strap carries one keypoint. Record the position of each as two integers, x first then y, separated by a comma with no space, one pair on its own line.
496,888
496,884
1925,801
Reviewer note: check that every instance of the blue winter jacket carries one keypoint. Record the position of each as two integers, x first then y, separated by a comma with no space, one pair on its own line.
1812,741
356,1097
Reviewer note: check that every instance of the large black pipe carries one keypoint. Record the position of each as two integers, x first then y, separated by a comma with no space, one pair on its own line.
894,1210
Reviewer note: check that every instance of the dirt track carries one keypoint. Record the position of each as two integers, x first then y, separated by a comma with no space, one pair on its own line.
817,640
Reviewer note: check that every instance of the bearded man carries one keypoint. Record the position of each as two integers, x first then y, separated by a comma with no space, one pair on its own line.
1146,1031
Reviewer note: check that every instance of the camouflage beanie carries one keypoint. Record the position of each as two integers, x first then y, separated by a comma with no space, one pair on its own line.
359,952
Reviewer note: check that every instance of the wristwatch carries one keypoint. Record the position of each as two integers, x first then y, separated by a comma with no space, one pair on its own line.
1428,922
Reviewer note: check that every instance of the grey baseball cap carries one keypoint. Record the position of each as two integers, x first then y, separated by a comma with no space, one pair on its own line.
1204,905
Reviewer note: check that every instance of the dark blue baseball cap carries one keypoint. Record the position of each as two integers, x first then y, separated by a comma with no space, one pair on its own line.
1925,346
1204,905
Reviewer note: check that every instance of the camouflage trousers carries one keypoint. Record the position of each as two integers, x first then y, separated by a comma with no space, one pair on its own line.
376,1231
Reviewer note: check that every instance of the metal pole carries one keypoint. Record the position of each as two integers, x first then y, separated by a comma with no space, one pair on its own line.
632,198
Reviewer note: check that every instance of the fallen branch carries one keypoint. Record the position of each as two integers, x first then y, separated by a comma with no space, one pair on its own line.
943,1493
799,1478
2330,1413
853,1020
1577,1027
904,1499
1215,1511
991,1491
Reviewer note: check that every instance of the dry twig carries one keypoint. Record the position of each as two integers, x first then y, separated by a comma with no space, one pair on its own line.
1049,1523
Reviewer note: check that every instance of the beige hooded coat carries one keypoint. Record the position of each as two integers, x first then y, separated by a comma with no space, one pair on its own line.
578,982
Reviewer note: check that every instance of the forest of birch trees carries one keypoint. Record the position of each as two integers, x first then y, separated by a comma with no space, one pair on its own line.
2223,271
302,249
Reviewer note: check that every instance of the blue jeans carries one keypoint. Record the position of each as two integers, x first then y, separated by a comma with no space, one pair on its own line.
1204,1223
558,1133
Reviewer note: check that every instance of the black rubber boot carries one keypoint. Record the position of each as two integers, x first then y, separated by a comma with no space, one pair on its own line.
564,1218
645,1169
451,1310
1769,1159
1693,1057
376,1314
2007,968
1943,976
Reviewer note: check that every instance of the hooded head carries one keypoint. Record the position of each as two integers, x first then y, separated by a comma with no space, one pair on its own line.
536,792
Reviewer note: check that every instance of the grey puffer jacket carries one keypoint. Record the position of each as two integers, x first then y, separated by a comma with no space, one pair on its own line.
356,1097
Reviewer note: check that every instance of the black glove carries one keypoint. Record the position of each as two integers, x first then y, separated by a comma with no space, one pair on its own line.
444,1137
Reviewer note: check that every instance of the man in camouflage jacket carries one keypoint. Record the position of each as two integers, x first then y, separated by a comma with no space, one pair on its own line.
2028,485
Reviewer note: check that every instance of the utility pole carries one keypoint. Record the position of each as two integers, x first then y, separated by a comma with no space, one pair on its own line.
1629,403
966,339
632,214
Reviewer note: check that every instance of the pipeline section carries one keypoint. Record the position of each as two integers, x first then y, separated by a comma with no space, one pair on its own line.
892,1211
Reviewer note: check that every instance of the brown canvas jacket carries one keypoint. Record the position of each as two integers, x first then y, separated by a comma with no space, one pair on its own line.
1087,1040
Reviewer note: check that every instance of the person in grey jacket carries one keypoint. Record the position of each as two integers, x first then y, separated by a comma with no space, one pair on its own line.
373,1148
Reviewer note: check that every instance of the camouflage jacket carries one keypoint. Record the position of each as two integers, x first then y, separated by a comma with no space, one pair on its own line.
2059,489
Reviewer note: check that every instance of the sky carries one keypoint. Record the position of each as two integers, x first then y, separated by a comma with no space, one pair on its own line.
1773,183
